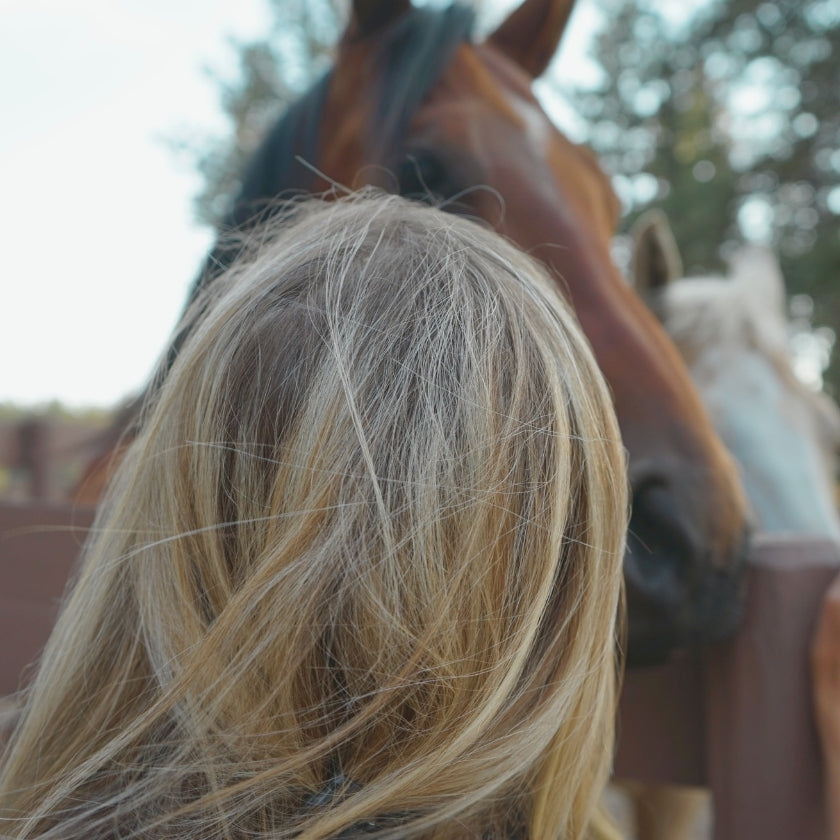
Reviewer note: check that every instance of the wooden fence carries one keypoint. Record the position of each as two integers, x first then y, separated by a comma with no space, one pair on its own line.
41,458
735,718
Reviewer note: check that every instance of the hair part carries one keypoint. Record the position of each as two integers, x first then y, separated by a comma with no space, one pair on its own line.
359,572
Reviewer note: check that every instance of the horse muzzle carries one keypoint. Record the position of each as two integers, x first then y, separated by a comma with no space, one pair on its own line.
681,591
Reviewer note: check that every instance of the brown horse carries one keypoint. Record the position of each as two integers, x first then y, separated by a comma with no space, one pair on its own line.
413,105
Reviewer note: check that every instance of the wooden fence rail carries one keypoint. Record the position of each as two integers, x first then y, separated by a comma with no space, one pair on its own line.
42,458
735,718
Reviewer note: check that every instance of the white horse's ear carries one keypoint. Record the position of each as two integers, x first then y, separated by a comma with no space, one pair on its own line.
656,257
530,34
756,270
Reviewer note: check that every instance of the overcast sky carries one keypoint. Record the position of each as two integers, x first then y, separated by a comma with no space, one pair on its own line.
98,241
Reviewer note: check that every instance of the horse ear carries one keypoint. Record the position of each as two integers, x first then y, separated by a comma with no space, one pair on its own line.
656,257
756,269
371,15
530,34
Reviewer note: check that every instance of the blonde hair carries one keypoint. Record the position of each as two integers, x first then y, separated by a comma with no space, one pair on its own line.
361,569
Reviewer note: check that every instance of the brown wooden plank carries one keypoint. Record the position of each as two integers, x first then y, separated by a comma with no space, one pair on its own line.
39,544
764,761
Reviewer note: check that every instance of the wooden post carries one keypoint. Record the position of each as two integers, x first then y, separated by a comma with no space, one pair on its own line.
32,436
764,762
737,718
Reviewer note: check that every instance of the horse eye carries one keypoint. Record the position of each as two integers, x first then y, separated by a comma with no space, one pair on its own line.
424,176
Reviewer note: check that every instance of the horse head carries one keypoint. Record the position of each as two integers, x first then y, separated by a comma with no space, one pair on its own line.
413,105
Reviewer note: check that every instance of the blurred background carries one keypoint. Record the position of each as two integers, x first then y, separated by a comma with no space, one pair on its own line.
125,124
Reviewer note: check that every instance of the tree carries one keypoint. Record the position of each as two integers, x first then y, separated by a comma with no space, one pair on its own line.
729,122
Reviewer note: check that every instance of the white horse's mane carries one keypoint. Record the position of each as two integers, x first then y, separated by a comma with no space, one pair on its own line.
733,334
745,309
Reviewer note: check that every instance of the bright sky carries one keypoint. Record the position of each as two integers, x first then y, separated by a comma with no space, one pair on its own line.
99,246
98,241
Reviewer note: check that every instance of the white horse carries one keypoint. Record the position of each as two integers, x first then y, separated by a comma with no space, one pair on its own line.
733,333
785,437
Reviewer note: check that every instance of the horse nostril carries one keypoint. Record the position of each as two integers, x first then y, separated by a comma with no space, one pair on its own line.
659,565
678,592
660,548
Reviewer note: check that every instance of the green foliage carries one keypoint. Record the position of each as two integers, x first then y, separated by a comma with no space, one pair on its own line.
729,122
55,410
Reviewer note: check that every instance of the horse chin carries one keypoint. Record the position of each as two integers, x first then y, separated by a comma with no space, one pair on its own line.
676,597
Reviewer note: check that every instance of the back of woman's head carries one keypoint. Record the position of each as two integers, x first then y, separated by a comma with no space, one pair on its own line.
360,570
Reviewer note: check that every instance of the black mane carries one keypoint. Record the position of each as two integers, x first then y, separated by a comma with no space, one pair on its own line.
412,55
409,58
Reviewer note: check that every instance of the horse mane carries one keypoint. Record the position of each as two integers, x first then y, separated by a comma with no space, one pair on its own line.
704,311
410,55
715,311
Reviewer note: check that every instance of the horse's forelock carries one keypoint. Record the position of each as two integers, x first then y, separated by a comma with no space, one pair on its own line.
706,310
412,54
702,313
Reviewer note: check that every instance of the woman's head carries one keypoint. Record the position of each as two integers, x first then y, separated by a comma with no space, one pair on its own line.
361,567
